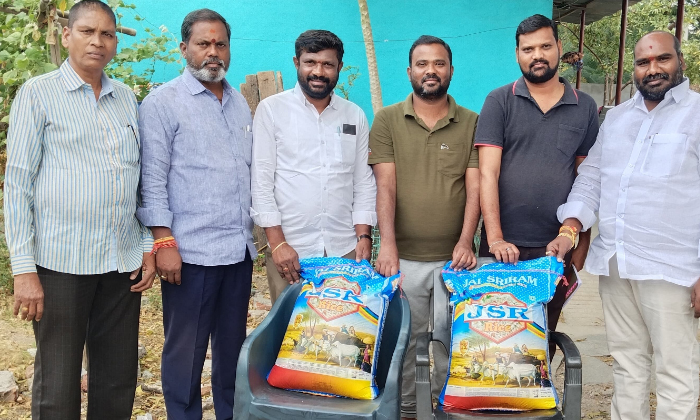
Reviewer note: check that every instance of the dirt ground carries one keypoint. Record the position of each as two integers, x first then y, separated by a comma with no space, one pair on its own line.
16,338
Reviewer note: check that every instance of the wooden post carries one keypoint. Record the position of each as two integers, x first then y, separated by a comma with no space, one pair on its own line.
280,85
680,14
621,52
581,33
53,37
266,84
375,88
250,92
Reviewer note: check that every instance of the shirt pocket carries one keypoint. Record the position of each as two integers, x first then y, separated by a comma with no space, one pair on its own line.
452,160
665,155
128,144
569,139
348,148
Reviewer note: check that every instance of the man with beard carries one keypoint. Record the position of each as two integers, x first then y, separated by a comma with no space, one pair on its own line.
532,135
196,195
313,191
642,178
427,192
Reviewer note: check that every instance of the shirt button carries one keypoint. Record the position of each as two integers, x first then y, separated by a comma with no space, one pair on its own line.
620,242
621,216
630,166
624,189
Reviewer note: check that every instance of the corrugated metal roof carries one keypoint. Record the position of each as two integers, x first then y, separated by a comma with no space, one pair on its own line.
569,10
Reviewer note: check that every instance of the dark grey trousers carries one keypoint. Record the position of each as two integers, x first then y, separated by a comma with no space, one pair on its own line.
97,310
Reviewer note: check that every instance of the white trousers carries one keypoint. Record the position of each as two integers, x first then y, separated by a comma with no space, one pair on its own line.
643,319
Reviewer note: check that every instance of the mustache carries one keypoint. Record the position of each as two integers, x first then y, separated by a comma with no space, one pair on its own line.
431,76
213,60
652,77
541,61
319,78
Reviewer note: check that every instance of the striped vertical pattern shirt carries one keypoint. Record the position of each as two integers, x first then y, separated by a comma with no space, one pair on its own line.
72,177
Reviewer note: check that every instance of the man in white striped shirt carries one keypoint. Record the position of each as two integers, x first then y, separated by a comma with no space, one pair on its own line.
77,250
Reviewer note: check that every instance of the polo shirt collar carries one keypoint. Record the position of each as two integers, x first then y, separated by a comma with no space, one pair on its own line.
299,94
196,87
72,80
570,96
451,112
677,93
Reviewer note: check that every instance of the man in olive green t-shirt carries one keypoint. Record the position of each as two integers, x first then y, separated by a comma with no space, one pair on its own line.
423,157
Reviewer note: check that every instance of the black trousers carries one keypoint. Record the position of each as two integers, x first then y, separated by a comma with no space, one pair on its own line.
555,305
212,301
101,311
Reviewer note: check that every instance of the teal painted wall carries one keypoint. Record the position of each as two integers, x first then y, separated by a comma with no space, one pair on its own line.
480,33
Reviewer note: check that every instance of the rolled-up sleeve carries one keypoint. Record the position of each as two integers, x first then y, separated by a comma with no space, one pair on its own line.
584,199
24,153
264,211
364,186
156,146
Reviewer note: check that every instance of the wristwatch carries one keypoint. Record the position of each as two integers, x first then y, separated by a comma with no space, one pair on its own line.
363,236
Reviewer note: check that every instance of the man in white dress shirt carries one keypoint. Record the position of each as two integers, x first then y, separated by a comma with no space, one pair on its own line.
313,192
642,177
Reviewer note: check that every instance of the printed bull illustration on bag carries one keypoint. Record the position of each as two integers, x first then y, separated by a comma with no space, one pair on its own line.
499,312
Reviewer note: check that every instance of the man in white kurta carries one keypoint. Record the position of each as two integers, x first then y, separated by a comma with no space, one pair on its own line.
642,177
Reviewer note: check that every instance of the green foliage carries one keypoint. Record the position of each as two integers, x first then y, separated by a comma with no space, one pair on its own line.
157,46
25,54
602,40
353,72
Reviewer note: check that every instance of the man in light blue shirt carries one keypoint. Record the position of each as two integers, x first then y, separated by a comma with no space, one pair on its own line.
76,247
196,189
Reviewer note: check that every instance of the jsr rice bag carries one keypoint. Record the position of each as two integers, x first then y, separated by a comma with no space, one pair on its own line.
499,352
331,345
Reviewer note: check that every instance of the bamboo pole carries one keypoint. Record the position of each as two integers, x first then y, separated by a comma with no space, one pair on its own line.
374,86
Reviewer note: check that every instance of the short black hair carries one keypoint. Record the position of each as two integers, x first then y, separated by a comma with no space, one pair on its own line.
676,41
201,15
534,23
316,40
427,40
78,8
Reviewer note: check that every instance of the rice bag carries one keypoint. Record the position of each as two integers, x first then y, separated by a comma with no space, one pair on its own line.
331,345
499,351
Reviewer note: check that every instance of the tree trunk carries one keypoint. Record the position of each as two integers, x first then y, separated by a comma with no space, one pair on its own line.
605,90
374,87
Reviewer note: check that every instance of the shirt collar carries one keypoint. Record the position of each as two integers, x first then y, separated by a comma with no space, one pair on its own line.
72,80
677,93
570,96
196,87
299,93
451,112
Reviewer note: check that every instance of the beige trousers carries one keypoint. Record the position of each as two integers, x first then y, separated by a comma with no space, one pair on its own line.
275,281
418,286
645,319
